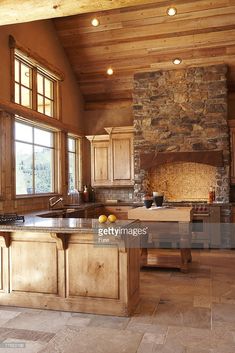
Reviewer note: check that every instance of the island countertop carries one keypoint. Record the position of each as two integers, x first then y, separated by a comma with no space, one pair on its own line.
62,225
161,214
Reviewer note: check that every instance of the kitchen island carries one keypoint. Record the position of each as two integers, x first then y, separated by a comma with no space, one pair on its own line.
67,264
165,225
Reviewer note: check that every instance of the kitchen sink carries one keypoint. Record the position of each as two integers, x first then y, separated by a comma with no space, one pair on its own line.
59,212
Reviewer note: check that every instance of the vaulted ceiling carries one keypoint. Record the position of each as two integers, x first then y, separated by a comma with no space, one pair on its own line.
144,38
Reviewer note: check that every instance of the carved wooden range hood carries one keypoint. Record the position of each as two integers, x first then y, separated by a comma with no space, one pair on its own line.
149,160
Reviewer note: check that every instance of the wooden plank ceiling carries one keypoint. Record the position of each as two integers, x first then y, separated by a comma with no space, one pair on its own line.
144,38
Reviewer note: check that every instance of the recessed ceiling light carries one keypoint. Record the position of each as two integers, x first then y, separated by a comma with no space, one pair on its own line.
171,11
177,61
109,71
95,22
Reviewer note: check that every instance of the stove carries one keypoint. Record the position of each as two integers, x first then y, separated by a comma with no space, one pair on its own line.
204,217
10,217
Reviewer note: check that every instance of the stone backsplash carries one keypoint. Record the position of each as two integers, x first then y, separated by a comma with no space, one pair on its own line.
183,181
181,110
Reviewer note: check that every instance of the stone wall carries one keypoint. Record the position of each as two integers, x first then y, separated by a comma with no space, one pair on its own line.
181,110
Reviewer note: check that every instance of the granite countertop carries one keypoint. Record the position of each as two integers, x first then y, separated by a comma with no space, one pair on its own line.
62,225
83,206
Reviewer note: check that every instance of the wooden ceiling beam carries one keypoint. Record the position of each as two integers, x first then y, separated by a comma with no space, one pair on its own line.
20,11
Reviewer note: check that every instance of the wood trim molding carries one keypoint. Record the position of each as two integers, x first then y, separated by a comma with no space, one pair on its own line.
149,160
119,129
34,116
5,239
61,240
14,44
92,138
231,123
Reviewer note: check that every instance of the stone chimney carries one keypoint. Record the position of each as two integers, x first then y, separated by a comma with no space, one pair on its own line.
181,111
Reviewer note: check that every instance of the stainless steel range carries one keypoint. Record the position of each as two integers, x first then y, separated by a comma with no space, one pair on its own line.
205,223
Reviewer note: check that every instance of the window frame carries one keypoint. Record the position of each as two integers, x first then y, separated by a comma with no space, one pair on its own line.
37,68
78,160
2,143
55,157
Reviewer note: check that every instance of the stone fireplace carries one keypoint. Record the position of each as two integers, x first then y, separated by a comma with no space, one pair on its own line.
181,143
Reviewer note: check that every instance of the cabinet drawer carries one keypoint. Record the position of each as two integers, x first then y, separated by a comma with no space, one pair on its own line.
94,212
121,212
117,208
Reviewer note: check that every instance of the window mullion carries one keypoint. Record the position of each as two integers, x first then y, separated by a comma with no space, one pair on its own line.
33,169
34,89
20,95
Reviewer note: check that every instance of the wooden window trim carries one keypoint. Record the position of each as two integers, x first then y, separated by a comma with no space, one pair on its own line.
39,60
3,153
38,64
78,160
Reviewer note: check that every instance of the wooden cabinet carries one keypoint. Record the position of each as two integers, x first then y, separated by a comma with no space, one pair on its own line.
121,212
94,212
232,146
112,157
122,159
100,160
70,271
233,214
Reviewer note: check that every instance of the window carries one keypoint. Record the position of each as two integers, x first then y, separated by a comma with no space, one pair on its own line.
34,86
34,159
73,164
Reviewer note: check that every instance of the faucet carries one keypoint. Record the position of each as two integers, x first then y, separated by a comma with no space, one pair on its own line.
54,200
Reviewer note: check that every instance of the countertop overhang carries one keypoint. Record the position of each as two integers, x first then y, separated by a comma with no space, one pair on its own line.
62,225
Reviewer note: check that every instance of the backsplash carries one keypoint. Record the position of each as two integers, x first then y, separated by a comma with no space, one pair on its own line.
122,194
183,110
183,181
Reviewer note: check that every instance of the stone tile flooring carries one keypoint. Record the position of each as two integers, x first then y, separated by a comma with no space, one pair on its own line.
178,313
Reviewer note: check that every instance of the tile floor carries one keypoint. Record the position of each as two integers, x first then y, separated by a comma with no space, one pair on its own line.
178,313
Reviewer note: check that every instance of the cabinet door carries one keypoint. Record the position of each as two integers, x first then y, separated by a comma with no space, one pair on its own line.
232,136
100,166
122,159
233,214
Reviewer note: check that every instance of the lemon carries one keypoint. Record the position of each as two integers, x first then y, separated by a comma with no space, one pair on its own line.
112,218
102,218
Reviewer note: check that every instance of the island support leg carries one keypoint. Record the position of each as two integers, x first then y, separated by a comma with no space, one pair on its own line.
185,246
